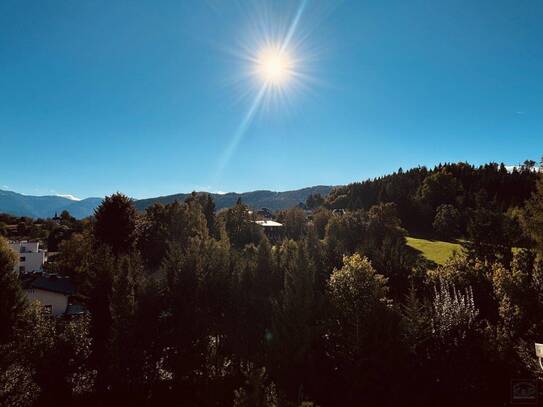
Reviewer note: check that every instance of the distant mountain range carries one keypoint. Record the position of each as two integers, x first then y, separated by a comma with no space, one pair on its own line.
46,206
255,199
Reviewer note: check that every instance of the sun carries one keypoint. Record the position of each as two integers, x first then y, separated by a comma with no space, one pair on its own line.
274,66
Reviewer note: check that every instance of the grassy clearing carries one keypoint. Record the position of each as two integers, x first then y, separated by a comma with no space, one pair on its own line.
434,250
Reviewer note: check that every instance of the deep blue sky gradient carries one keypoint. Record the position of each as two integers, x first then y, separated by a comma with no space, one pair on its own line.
137,96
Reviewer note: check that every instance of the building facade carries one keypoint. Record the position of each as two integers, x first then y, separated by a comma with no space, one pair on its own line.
52,291
273,230
30,258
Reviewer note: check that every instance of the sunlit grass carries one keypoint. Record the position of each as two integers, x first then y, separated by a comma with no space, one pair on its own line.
434,250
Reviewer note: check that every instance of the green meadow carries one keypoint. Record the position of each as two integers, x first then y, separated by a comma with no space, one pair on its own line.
434,250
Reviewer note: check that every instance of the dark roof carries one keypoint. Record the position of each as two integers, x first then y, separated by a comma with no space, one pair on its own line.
49,282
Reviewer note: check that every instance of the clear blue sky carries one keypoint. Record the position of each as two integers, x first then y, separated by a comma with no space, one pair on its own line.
144,97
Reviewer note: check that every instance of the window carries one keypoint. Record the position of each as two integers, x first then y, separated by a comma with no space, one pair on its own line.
48,309
22,258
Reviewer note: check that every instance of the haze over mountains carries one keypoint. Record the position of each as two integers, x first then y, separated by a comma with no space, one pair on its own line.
46,206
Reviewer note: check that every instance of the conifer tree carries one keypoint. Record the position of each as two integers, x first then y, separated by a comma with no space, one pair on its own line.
126,353
98,294
416,321
183,317
115,224
295,325
12,300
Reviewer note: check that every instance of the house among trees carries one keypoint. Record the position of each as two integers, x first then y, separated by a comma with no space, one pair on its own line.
30,258
51,290
272,229
264,213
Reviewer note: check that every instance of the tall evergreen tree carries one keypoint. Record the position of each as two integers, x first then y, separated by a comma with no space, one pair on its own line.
295,325
98,294
115,223
12,299
127,357
416,322
185,336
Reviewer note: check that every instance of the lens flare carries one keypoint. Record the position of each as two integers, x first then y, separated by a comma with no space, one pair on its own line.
275,61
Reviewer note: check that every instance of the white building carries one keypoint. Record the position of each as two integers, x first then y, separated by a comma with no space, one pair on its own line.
30,257
269,224
272,229
50,290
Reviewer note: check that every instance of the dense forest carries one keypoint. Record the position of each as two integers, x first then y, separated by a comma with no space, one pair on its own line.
422,194
194,307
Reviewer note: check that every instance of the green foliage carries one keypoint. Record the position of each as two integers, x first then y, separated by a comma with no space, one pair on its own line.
357,294
275,201
467,273
115,223
47,361
320,220
491,233
447,221
344,234
73,258
295,311
126,287
256,391
532,217
185,305
416,322
294,223
362,336
419,191
378,235
17,387
314,201
174,223
258,282
207,206
240,226
57,236
356,290
440,188
197,299
12,301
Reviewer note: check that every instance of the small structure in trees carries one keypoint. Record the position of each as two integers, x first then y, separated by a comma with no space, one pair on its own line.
52,291
272,229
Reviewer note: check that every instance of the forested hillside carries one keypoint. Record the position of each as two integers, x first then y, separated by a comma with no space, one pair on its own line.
445,198
187,303
16,204
254,199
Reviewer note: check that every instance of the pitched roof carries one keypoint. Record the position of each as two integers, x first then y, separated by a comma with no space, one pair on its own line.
49,282
269,223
